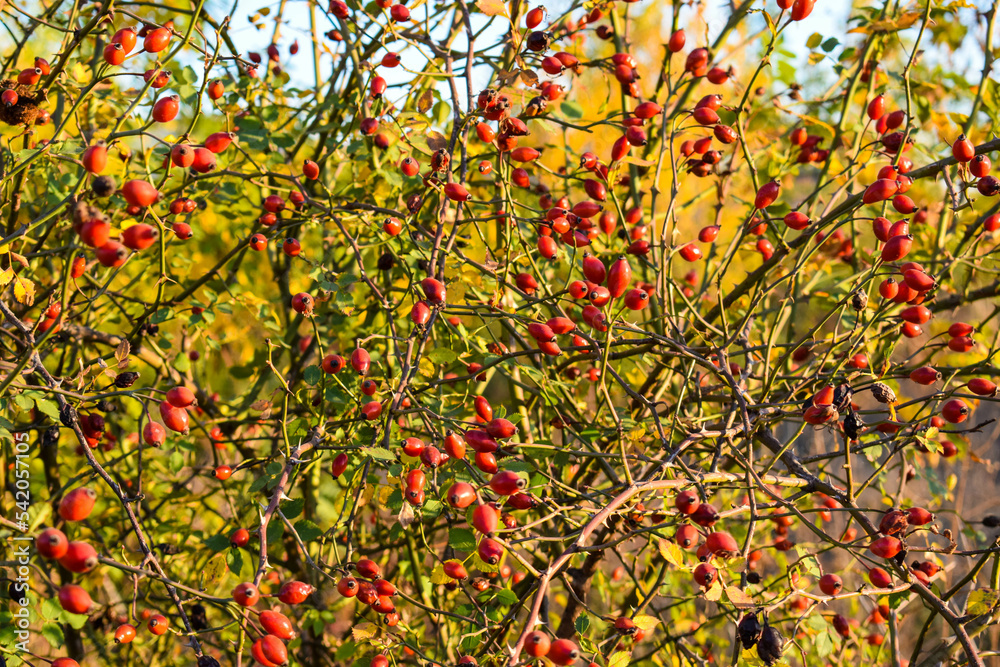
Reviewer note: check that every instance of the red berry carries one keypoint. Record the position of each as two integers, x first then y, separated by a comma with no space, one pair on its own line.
962,149
294,592
767,194
831,584
75,599
955,411
563,652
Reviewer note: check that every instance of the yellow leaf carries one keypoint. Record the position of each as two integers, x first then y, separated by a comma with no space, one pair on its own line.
425,101
24,291
479,564
529,77
770,24
672,553
812,120
472,277
619,659
214,571
492,7
981,601
438,576
714,594
889,25
6,276
364,631
739,599
456,291
644,622
639,162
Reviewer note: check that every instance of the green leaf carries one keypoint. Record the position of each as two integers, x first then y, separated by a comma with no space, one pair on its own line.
275,529
234,561
77,621
824,644
164,314
572,110
432,507
814,40
49,408
808,562
259,483
217,543
787,72
307,530
335,395
441,355
53,635
312,375
380,453
346,651
182,363
461,539
293,508
22,402
50,610
582,623
506,597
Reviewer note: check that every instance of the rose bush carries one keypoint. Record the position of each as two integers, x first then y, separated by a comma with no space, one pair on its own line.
502,334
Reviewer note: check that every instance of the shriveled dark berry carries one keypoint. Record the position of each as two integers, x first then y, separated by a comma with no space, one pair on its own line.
50,437
853,425
67,415
749,630
126,379
196,614
770,645
103,186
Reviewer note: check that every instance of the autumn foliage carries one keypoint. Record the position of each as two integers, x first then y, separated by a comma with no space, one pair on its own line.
410,333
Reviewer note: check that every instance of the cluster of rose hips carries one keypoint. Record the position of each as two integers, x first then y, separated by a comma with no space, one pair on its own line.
78,556
155,39
92,225
361,363
173,411
371,590
269,648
